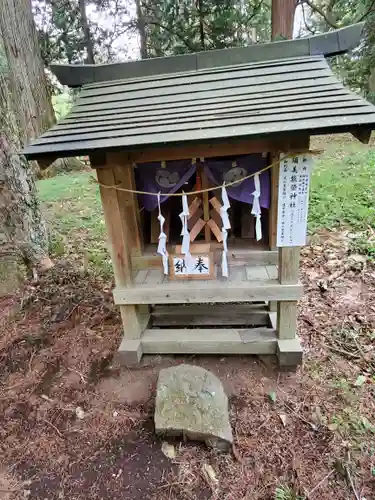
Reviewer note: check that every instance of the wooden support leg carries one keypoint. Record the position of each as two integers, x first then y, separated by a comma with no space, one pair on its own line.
289,348
272,306
120,237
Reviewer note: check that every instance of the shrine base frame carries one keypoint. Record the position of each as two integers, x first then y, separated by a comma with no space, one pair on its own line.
263,301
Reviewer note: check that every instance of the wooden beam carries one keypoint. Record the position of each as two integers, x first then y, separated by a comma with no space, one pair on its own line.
209,341
46,161
206,292
362,134
193,315
206,150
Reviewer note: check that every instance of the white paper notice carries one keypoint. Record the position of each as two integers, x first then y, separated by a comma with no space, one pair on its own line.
294,180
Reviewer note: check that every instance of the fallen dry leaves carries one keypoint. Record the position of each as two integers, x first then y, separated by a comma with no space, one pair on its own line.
60,432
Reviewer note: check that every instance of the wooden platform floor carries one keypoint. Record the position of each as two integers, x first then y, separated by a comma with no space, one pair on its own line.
244,284
236,274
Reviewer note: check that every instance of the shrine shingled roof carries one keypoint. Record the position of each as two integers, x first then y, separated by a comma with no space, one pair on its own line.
245,100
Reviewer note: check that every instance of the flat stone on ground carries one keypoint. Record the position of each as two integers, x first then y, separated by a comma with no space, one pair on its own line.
191,402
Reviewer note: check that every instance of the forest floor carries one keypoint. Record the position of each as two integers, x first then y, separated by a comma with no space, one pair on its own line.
74,425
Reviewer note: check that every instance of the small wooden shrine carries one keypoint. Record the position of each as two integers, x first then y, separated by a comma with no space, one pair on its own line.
203,164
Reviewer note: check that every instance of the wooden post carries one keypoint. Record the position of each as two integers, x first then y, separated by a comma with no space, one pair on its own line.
119,237
272,230
124,177
206,205
289,347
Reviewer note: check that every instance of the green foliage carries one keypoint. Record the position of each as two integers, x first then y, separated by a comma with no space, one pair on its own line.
356,69
73,210
287,493
60,29
181,26
342,192
62,104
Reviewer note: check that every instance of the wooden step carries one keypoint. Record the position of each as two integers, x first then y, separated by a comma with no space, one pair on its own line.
201,291
209,341
190,315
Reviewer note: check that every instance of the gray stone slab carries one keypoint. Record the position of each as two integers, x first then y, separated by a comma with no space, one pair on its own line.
191,402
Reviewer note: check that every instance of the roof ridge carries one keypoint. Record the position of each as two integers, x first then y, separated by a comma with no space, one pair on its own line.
327,44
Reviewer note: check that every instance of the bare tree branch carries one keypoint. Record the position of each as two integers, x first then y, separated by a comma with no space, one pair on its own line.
321,12
325,16
305,21
368,11
155,22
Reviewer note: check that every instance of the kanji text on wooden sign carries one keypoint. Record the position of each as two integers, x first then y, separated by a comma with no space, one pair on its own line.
294,180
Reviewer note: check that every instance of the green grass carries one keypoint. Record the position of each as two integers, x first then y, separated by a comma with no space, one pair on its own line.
342,190
74,213
342,195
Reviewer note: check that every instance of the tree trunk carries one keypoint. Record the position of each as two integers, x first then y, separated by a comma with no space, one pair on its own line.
141,30
201,24
86,33
22,228
282,18
32,102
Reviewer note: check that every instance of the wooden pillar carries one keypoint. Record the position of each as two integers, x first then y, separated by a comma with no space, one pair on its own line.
120,233
289,347
272,230
128,202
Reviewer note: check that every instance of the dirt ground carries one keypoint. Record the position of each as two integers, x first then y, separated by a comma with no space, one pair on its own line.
74,425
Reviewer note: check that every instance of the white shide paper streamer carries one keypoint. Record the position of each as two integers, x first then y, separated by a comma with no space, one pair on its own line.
226,225
256,211
185,246
162,245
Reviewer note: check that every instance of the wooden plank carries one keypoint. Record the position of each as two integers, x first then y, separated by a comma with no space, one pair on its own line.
215,216
128,204
326,93
199,225
176,81
194,205
211,319
154,277
197,108
213,291
152,122
193,220
96,119
215,203
236,257
207,150
140,276
287,319
235,124
332,92
118,239
209,341
237,274
215,229
289,264
256,273
215,309
187,92
272,272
